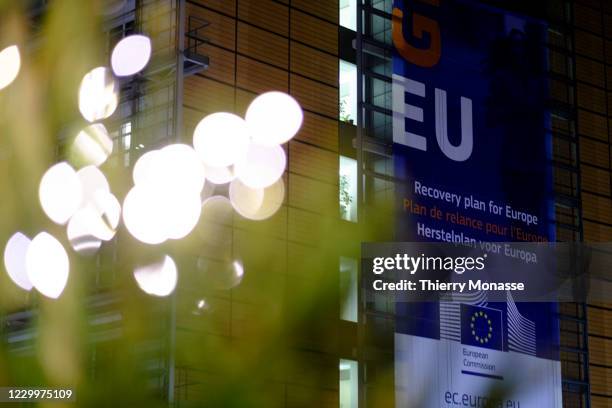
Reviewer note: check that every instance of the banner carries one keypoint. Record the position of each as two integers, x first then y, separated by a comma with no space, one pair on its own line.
472,153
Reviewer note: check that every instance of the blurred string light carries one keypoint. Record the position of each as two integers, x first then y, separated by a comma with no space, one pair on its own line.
98,94
169,184
10,63
15,260
131,55
47,265
92,145
157,279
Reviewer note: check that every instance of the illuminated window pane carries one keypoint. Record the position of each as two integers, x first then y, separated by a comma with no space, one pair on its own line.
348,289
349,385
126,142
348,92
348,189
348,14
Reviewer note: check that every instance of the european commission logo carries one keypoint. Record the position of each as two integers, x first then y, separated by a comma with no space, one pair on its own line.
481,327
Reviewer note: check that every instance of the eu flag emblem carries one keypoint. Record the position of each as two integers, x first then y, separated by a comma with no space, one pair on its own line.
481,327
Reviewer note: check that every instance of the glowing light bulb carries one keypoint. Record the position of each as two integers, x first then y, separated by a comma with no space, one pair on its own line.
221,139
10,63
131,55
60,192
273,118
15,260
47,265
98,95
92,145
261,166
157,279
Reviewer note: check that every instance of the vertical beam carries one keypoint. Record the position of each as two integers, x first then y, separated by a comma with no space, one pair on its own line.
177,136
180,64
581,307
361,380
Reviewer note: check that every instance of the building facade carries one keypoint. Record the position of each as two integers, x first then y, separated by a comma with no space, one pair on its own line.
295,330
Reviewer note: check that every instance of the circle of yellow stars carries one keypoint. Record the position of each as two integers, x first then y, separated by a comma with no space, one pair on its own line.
482,339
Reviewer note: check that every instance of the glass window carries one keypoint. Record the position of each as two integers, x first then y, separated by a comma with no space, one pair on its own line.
348,384
348,14
348,189
348,289
348,92
126,142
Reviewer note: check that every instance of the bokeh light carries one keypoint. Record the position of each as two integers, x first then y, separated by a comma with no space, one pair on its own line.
131,55
60,192
159,278
47,265
181,213
92,181
221,139
244,199
215,226
92,145
261,166
175,167
95,221
141,215
98,94
15,260
79,232
221,274
273,118
220,175
154,215
10,62
201,306
168,182
257,204
145,167
182,168
108,214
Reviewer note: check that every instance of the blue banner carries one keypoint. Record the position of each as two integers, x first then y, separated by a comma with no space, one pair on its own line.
472,152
